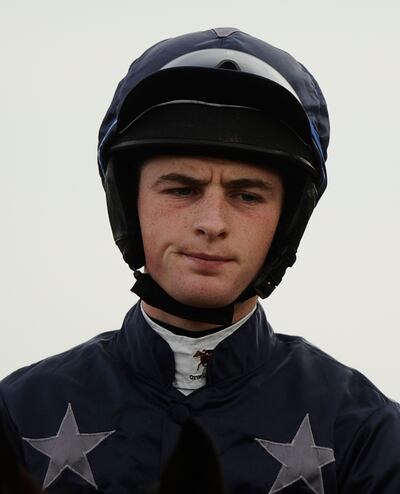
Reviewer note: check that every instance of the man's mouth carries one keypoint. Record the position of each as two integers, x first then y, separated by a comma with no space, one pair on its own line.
202,256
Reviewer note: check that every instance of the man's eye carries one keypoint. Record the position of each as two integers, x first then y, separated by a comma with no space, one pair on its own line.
249,198
181,191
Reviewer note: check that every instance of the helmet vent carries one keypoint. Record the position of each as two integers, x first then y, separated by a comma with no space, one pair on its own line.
228,65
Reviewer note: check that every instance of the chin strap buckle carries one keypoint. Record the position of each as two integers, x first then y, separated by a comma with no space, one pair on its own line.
271,278
137,274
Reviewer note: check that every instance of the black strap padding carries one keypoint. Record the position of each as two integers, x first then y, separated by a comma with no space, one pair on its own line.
120,184
275,266
114,204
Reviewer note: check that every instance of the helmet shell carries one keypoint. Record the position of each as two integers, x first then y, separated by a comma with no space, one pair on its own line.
162,55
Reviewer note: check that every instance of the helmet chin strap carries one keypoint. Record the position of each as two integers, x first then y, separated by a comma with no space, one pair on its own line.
151,292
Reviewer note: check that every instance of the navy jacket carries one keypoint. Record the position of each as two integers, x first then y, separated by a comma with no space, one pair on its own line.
284,416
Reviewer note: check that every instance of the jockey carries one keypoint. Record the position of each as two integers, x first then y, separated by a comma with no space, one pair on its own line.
212,157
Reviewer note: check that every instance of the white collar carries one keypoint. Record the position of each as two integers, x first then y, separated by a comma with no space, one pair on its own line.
191,353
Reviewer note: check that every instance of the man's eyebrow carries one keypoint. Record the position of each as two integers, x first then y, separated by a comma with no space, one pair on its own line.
181,179
248,183
237,183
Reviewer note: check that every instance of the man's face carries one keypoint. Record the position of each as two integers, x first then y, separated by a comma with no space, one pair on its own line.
207,225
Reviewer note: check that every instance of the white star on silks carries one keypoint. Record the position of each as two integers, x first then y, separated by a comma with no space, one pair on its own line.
68,449
300,459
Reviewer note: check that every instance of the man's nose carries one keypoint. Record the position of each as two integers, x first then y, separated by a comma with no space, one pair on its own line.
211,216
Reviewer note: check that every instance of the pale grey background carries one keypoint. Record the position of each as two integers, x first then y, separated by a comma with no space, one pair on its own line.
62,278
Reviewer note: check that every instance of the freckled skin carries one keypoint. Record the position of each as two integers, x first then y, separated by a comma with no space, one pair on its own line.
205,242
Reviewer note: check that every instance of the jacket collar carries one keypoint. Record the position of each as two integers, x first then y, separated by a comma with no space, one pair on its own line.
149,357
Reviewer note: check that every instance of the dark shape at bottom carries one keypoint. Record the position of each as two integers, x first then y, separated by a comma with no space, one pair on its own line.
193,466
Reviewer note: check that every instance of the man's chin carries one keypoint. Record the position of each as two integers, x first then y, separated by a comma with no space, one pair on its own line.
207,300
204,292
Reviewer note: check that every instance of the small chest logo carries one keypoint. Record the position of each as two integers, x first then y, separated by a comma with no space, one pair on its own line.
203,356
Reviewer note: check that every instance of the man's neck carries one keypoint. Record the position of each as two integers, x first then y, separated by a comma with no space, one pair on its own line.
241,310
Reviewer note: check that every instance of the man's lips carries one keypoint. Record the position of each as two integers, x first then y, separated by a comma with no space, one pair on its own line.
202,256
